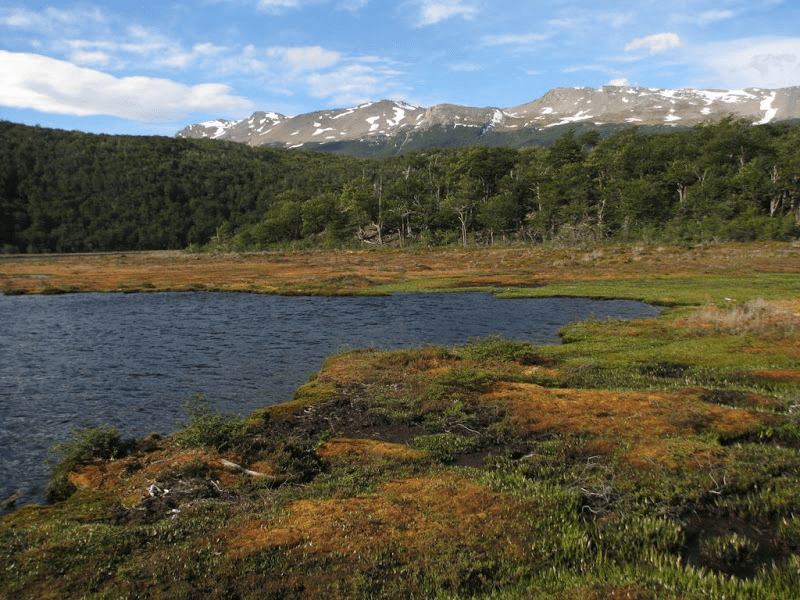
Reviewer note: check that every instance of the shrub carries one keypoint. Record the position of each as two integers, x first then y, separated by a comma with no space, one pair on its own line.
495,347
208,428
86,445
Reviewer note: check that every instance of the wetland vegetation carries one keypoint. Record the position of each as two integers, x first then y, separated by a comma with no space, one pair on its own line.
637,459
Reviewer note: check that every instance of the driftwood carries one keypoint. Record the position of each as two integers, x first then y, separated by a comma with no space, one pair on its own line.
9,502
233,465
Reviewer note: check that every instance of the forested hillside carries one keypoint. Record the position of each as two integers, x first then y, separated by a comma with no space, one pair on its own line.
68,192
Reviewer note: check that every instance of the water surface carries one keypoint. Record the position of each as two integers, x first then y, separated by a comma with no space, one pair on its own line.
133,360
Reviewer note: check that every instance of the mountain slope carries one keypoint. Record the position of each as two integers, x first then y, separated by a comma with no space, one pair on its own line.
387,120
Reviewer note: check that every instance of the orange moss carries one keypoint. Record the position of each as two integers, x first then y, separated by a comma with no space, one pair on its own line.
99,477
359,451
784,375
786,347
641,424
408,515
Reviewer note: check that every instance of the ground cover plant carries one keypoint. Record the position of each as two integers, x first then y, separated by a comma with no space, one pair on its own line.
638,459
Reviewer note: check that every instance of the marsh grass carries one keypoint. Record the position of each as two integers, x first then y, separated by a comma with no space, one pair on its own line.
443,447
753,317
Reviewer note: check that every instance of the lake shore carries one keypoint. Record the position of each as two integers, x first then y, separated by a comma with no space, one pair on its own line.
527,269
638,459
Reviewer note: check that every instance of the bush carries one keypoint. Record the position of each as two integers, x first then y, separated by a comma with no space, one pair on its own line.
86,445
496,347
208,428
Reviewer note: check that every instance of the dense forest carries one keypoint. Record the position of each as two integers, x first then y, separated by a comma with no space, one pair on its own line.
71,192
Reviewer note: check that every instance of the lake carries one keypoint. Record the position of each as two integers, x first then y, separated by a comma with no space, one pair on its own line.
134,360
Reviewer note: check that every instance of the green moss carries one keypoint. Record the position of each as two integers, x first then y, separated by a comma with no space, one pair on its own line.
305,396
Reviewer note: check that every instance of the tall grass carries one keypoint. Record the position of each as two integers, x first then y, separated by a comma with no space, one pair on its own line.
757,316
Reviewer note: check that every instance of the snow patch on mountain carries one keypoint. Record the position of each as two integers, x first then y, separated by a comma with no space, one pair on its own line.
217,127
560,106
769,110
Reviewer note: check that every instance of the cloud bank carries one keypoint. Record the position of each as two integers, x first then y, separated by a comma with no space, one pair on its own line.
766,62
55,86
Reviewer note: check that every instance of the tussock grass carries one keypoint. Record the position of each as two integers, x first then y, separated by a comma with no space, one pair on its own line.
757,317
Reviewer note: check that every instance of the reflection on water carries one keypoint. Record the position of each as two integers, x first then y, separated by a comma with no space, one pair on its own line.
133,360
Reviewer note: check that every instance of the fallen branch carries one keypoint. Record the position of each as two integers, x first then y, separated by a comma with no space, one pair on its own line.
233,465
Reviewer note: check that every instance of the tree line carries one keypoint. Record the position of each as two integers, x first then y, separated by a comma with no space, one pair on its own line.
68,191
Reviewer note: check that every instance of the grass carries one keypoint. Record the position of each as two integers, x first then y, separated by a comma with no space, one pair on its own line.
638,459
661,275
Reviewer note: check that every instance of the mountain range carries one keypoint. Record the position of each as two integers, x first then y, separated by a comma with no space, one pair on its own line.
388,127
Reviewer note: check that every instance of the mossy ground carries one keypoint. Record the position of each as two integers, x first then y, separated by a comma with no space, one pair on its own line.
661,275
643,459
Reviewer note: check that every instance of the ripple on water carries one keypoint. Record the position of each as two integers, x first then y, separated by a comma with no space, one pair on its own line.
133,360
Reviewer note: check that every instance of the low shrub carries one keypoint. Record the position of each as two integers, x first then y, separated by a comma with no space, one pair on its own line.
208,428
495,347
86,445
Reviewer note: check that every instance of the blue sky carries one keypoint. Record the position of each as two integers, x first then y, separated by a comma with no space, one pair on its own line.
154,67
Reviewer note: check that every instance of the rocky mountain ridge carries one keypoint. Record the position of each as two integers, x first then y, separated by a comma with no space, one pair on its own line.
560,106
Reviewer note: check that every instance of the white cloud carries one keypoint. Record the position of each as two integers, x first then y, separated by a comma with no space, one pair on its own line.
89,38
525,39
715,15
179,58
579,68
277,6
33,81
83,57
432,12
656,43
354,84
617,20
704,18
53,19
353,5
208,49
621,82
751,62
305,58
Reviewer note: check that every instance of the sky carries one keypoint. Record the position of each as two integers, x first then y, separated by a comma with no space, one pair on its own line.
152,68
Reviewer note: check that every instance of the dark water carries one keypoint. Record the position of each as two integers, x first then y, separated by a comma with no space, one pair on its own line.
132,361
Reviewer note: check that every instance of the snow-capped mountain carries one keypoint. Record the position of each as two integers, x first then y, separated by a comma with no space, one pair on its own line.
560,106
